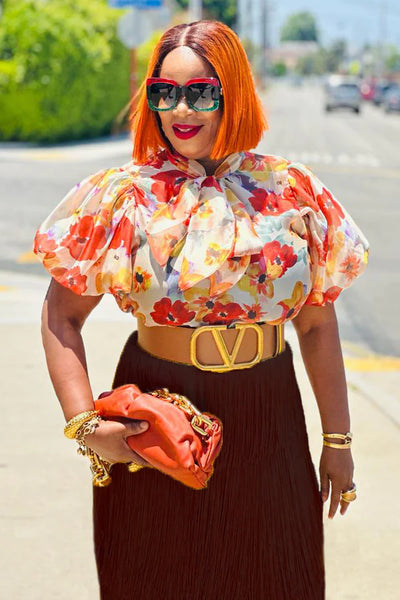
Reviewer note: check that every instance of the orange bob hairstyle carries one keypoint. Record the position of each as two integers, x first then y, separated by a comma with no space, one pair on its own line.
242,122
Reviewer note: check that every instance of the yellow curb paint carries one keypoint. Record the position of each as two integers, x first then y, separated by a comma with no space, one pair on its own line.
355,349
373,362
6,288
28,257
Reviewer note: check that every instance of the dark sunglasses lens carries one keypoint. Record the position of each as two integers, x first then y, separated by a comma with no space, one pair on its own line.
202,96
162,95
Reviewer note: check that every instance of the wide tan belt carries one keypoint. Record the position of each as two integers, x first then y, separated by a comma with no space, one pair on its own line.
213,347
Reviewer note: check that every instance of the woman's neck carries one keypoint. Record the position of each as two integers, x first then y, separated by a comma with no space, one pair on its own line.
209,165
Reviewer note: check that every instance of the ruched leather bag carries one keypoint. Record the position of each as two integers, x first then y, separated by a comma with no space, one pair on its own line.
180,441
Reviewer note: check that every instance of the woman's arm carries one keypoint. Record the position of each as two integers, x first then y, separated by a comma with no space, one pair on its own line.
318,334
63,316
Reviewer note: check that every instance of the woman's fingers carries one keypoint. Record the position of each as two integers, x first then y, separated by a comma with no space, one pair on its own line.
109,441
324,487
336,471
343,506
135,428
335,499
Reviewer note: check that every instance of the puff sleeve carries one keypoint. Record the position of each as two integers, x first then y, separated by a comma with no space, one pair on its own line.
338,250
88,242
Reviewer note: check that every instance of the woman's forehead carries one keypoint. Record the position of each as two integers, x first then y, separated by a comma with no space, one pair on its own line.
182,64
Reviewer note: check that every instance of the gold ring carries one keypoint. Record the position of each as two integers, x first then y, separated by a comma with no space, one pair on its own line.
349,495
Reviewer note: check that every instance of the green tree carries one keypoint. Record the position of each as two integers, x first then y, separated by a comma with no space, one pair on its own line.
392,58
312,64
221,10
278,69
300,27
63,73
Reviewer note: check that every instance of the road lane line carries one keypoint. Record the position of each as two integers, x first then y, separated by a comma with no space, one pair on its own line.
372,363
28,257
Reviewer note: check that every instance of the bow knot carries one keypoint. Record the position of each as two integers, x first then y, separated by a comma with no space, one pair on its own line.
207,223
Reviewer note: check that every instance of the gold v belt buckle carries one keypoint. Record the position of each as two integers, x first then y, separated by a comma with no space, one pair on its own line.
227,358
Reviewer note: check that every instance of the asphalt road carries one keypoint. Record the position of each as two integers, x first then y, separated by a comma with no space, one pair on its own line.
356,156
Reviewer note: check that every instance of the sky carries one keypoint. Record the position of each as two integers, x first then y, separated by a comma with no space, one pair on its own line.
359,21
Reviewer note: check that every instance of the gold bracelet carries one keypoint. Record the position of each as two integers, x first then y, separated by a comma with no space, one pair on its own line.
100,469
73,424
347,437
87,428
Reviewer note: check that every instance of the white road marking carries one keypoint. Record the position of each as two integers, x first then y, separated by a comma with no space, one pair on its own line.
367,160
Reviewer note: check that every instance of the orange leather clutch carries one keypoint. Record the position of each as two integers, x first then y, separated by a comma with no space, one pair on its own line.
180,441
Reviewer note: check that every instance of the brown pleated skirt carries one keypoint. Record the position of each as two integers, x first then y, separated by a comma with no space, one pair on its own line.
255,533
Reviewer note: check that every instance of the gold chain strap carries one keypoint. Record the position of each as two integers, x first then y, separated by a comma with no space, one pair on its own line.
199,422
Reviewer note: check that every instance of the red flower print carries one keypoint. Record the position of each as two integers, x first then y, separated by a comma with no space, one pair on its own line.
141,280
70,278
165,184
205,304
291,306
158,159
331,209
84,238
166,313
269,203
350,266
254,312
258,198
224,313
304,195
123,235
236,262
318,298
258,278
44,245
211,182
278,259
255,258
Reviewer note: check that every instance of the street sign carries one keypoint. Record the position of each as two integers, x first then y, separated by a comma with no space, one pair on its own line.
135,3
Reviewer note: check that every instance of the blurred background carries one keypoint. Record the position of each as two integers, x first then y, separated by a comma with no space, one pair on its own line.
329,78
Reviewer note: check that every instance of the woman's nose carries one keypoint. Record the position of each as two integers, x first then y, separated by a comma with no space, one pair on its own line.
182,107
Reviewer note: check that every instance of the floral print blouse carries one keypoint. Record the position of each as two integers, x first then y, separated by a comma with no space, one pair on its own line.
253,243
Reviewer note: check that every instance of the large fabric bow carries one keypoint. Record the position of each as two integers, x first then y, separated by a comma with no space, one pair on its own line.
204,228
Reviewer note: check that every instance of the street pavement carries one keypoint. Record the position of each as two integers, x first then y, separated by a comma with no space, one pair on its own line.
46,500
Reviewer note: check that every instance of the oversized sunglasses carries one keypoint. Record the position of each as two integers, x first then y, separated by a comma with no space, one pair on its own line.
202,94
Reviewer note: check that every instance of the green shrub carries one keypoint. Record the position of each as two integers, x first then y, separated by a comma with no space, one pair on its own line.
63,73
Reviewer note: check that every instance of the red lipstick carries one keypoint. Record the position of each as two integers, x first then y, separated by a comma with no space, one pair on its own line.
185,132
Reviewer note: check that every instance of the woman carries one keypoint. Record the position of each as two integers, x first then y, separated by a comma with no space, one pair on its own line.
197,231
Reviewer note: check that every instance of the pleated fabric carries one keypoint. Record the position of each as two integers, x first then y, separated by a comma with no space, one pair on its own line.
255,533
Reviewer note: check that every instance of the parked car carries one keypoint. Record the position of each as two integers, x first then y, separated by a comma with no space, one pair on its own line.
342,93
392,100
367,89
381,89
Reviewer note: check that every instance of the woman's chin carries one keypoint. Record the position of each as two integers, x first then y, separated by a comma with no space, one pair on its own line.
189,151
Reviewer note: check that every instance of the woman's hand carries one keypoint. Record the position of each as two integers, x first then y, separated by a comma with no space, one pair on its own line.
336,469
109,441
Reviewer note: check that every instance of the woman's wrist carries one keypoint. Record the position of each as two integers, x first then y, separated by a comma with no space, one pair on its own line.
337,440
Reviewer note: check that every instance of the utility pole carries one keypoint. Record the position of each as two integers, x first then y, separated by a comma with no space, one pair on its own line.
195,10
379,69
